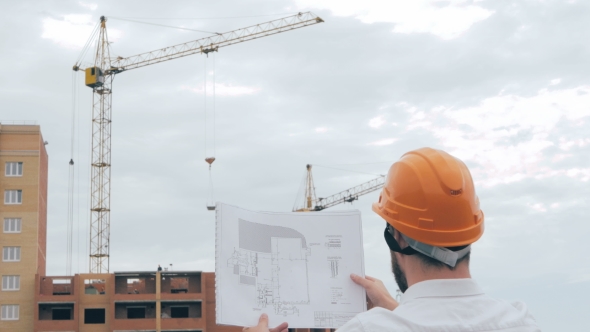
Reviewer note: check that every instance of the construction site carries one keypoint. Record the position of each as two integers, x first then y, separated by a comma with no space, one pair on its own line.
102,300
209,166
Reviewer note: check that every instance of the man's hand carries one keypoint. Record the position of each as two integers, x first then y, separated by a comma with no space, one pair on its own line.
376,291
263,326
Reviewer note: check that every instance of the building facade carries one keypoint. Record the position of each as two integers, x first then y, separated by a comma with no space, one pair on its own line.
23,218
129,301
125,301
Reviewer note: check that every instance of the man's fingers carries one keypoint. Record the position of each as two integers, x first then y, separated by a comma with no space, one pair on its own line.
280,328
263,320
370,278
360,280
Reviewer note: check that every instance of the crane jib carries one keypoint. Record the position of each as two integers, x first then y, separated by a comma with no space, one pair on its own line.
213,43
100,75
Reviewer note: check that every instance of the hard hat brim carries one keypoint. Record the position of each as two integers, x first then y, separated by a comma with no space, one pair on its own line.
435,237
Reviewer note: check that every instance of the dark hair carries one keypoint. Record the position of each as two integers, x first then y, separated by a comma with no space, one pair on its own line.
429,262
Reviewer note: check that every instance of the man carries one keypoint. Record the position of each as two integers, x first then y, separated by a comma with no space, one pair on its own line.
432,217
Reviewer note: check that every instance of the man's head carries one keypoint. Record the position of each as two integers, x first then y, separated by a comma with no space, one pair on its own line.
432,213
424,264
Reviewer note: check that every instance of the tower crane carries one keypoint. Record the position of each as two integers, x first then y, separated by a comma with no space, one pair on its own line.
100,77
312,203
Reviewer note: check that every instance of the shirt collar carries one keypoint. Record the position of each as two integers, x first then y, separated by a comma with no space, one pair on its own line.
442,288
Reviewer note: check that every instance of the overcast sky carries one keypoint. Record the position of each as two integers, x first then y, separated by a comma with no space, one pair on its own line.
503,85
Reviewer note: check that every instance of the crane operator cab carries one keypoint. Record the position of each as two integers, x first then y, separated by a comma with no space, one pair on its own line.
94,77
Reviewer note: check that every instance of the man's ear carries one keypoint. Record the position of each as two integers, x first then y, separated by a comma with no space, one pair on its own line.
400,239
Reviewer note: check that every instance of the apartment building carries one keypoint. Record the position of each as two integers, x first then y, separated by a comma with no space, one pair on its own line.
23,221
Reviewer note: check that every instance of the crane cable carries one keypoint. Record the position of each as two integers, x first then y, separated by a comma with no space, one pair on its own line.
214,126
347,170
78,193
299,191
71,180
163,25
203,18
205,106
71,177
88,43
209,159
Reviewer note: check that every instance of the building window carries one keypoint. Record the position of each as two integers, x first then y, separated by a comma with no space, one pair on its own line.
94,286
10,312
56,311
12,225
10,283
179,312
11,254
13,196
61,314
14,169
135,312
94,316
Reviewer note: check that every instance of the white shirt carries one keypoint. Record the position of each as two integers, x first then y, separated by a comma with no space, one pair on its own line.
446,305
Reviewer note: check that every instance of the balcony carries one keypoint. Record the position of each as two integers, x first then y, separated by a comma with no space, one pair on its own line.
182,314
135,286
135,315
57,316
56,288
180,285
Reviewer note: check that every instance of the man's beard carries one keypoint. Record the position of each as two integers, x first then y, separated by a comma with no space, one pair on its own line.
400,276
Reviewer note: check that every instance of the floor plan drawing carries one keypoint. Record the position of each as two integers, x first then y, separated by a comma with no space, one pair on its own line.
291,266
328,319
333,266
265,256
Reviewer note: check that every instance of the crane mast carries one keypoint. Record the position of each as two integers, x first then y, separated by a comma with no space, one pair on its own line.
100,77
310,197
100,173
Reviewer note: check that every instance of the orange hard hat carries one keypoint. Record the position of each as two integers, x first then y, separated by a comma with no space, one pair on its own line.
429,196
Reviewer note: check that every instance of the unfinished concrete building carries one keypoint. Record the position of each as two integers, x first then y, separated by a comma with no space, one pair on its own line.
123,301
129,301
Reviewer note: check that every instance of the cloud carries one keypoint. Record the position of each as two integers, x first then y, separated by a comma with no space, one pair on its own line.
566,144
376,122
539,207
321,130
581,275
225,90
383,142
73,30
91,6
445,19
507,135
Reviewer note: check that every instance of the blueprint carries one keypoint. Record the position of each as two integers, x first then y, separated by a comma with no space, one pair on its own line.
293,266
